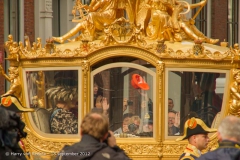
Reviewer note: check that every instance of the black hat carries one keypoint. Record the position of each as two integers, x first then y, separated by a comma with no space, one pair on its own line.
12,103
195,126
148,117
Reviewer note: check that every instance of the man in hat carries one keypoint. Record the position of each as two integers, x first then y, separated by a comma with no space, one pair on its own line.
11,128
196,131
229,141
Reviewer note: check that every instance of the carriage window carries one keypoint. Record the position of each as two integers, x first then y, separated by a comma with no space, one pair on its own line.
54,96
195,93
125,92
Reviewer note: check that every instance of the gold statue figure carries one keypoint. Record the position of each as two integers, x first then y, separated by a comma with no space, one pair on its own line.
158,19
13,78
235,94
100,12
166,20
40,89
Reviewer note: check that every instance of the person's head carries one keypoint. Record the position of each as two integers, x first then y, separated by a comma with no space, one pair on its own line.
10,37
98,85
200,141
95,88
126,121
13,72
96,125
35,100
196,131
171,118
236,74
147,127
170,104
148,122
125,104
236,46
229,129
134,124
40,74
38,39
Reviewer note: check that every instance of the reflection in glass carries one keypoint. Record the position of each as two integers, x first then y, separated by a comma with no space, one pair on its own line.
126,95
193,93
54,96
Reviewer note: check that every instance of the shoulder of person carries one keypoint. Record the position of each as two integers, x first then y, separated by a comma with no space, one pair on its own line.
187,158
113,153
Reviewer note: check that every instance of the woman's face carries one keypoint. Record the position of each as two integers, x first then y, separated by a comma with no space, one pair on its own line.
95,88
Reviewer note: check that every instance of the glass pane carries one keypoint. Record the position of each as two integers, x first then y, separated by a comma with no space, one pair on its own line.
125,91
194,93
54,96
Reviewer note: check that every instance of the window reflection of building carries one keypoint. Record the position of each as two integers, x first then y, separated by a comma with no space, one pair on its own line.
198,94
59,112
124,98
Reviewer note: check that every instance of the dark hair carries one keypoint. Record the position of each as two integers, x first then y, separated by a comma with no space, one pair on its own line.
192,114
99,81
127,115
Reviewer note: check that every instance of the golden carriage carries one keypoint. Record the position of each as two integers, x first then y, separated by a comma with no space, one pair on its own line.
169,54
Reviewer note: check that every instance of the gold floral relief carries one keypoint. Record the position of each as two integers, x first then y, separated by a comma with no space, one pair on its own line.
234,108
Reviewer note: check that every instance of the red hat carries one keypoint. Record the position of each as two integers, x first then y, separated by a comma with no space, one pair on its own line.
138,82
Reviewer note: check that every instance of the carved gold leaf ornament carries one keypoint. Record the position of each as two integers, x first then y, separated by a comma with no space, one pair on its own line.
234,108
86,48
141,149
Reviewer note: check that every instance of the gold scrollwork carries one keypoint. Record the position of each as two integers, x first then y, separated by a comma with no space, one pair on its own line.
235,94
142,149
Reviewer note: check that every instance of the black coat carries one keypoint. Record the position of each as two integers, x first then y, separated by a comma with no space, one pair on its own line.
90,148
227,150
11,130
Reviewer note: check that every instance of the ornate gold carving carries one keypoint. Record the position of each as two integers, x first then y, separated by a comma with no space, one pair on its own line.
224,43
235,94
161,47
123,32
50,47
142,149
170,149
16,52
164,22
81,10
14,79
160,67
85,67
